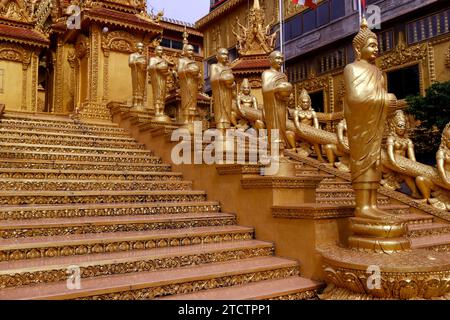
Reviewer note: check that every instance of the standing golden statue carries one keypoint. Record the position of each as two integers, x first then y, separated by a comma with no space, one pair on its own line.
189,75
341,149
304,113
223,85
441,197
138,64
245,100
276,90
365,107
159,71
398,144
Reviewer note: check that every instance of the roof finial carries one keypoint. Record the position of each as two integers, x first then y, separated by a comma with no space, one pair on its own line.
256,5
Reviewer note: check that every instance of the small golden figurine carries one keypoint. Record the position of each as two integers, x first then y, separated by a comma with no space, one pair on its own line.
276,90
365,107
159,71
341,149
245,100
138,64
189,75
304,113
222,84
398,144
441,197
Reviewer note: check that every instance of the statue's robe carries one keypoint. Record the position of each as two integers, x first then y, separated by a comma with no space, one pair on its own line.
276,90
365,109
138,65
222,91
188,73
159,70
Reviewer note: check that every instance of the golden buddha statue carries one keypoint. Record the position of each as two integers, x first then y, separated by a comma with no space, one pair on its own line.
222,84
138,64
341,149
304,113
441,197
398,144
159,71
276,90
366,106
188,73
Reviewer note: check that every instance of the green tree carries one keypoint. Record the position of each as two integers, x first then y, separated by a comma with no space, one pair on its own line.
433,112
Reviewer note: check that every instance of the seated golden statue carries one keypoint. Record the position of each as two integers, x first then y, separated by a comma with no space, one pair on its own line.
441,197
159,71
341,149
398,144
188,73
223,85
138,64
245,100
304,113
276,90
366,106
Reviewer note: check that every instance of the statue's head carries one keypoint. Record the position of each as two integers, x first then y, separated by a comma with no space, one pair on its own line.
140,47
245,87
399,123
305,100
188,51
276,59
445,143
365,43
222,55
159,50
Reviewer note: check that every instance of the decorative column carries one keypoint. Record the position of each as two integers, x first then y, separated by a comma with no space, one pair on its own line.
59,78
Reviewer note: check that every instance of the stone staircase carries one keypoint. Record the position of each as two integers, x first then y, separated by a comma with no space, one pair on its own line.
87,197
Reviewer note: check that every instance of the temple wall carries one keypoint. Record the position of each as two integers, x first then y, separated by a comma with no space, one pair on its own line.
120,75
12,85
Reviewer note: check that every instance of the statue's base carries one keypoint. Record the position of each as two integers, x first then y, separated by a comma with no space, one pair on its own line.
162,118
418,273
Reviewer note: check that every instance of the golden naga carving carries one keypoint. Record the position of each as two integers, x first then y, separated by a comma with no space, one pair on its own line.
223,85
304,113
256,37
159,71
341,149
14,9
441,197
138,64
398,144
276,91
188,73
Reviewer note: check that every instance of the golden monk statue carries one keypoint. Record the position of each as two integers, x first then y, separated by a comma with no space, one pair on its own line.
304,113
441,197
365,107
159,71
341,149
189,75
276,91
138,64
398,144
222,84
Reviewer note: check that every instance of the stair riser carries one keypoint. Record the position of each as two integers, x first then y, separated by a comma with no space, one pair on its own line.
84,199
75,212
194,286
143,243
87,166
73,142
77,150
92,185
347,201
85,229
142,265
90,176
428,232
78,157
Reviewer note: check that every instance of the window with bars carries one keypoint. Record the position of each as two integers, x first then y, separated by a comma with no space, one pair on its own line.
386,41
297,72
331,61
177,45
428,27
2,81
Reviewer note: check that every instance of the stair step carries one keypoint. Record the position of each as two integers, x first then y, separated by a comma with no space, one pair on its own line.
45,270
435,242
105,209
72,185
148,285
103,175
49,138
345,200
52,118
297,288
97,164
97,196
428,229
85,225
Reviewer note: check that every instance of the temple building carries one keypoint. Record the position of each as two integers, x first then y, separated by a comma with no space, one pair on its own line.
142,157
